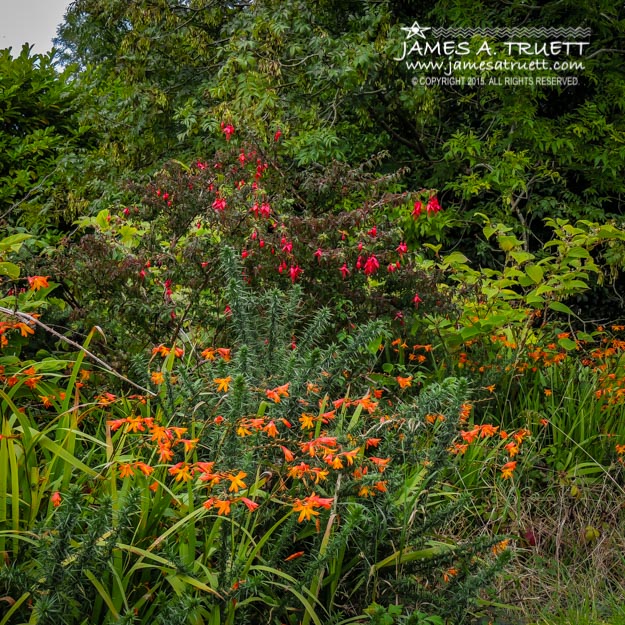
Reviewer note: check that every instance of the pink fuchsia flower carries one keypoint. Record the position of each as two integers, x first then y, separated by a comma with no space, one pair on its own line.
295,272
416,300
219,204
287,246
265,210
228,130
277,136
255,209
344,271
371,265
418,207
433,205
318,254
402,248
373,232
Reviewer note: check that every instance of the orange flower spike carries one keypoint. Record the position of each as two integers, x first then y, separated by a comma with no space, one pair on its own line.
223,506
243,430
305,508
165,453
203,467
283,390
449,573
271,429
56,499
116,424
178,431
223,384
322,502
620,449
181,472
135,424
157,377
24,329
471,435
307,421
288,454
372,442
508,469
225,353
487,430
249,504
162,350
320,474
236,482
208,354
380,486
38,282
381,463
404,382
350,455
146,469
271,394
125,470
512,449
189,444
327,416
293,556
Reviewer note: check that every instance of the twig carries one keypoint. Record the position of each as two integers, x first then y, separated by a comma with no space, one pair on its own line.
33,320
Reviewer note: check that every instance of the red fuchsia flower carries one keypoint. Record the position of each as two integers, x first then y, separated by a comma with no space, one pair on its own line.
228,130
126,212
287,246
391,268
265,210
201,165
416,300
359,263
219,204
402,248
318,254
433,205
282,267
211,187
254,235
371,265
255,209
227,311
244,254
295,272
242,158
277,136
373,232
360,245
344,271
261,243
418,207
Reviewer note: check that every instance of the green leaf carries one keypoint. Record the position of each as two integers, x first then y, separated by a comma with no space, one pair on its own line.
567,344
9,269
560,307
535,272
508,242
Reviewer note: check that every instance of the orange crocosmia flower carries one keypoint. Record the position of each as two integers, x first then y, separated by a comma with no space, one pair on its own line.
56,499
322,442
178,431
372,442
293,556
46,400
380,486
620,449
366,403
350,455
153,486
487,430
189,444
365,491
512,449
320,474
38,282
146,469
223,384
157,377
209,503
404,382
250,505
548,392
377,393
307,421
459,448
32,382
181,471
116,424
204,467
162,350
24,329
288,454
225,353
305,508
243,430
500,547
520,435
208,354
508,469
135,424
125,469
236,482
271,394
381,463
471,435
339,402
271,429
449,573
312,388
165,453
223,506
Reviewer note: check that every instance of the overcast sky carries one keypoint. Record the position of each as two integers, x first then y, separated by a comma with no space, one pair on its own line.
30,21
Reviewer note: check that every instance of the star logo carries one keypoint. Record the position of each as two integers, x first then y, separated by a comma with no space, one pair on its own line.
415,31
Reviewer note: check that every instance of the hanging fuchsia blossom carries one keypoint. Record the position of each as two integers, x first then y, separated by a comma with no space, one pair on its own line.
402,248
265,210
219,204
373,232
228,130
277,136
371,265
295,272
344,271
416,300
287,246
318,254
433,205
418,208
